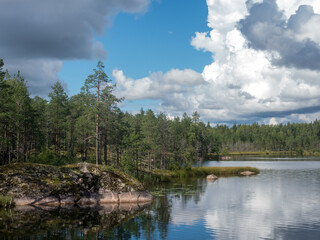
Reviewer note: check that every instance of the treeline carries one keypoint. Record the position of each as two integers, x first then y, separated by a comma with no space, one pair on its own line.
90,127
296,138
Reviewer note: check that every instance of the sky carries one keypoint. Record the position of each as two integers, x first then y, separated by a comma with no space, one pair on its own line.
232,61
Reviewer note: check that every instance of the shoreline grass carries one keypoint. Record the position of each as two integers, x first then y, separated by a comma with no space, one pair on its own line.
6,201
275,153
167,175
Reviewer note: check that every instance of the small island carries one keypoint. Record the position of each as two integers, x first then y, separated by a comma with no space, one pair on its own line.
81,184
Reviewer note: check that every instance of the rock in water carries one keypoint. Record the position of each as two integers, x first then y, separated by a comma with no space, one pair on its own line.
82,184
212,177
247,173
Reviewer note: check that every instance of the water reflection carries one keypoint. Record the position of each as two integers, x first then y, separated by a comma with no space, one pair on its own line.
282,202
253,208
87,222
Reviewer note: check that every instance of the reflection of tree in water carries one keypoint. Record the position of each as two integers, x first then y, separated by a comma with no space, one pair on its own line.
197,189
102,222
162,213
64,223
152,223
187,190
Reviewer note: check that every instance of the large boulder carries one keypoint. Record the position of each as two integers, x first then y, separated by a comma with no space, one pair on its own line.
82,184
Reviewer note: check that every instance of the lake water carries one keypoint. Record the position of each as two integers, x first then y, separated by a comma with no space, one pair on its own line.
282,202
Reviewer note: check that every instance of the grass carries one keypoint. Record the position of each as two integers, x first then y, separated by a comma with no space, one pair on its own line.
276,153
203,171
5,201
263,153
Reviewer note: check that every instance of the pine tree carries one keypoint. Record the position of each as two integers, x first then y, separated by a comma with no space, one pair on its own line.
97,81
58,112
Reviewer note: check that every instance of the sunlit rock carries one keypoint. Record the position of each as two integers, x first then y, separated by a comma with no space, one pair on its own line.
81,184
247,173
212,177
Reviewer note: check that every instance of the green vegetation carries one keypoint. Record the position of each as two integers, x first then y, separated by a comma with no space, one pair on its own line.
90,127
203,172
6,201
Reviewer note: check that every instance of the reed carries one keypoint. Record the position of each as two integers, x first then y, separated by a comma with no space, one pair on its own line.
204,171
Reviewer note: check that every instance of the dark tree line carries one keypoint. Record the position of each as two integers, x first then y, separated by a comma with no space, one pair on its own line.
90,127
290,137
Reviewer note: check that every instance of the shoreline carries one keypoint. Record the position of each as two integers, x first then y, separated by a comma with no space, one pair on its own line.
171,175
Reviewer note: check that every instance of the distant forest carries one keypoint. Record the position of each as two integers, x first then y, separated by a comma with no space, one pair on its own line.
90,127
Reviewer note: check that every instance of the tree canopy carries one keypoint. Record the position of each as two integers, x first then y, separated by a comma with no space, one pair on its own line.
90,126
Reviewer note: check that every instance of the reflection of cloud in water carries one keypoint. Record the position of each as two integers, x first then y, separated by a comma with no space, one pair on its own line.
189,212
272,205
259,207
180,216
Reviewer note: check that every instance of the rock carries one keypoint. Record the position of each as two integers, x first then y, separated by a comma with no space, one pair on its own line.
247,173
83,167
109,197
88,200
23,201
49,200
67,200
127,197
145,197
212,177
83,184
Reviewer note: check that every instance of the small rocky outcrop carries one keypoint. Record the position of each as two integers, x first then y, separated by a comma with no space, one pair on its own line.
247,173
81,184
212,177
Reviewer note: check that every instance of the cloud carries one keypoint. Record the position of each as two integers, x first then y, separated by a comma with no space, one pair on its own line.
273,121
46,76
171,87
289,43
265,61
54,31
265,66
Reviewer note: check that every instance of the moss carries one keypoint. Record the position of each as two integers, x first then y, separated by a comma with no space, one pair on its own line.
52,181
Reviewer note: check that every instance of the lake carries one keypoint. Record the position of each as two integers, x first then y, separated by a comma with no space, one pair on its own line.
282,202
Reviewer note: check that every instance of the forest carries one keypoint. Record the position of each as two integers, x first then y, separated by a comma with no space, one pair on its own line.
90,126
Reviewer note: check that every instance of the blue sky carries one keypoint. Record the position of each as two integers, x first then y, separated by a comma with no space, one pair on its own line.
232,61
157,40
142,43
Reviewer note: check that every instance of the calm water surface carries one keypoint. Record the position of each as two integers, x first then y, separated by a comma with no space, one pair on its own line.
282,202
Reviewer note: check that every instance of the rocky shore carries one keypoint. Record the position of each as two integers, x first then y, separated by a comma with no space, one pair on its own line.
80,184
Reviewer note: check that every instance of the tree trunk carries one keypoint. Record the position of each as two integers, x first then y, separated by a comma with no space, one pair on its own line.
97,127
86,149
105,149
17,147
118,156
56,143
149,161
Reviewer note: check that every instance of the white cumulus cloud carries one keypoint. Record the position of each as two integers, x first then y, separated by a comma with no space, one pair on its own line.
266,65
